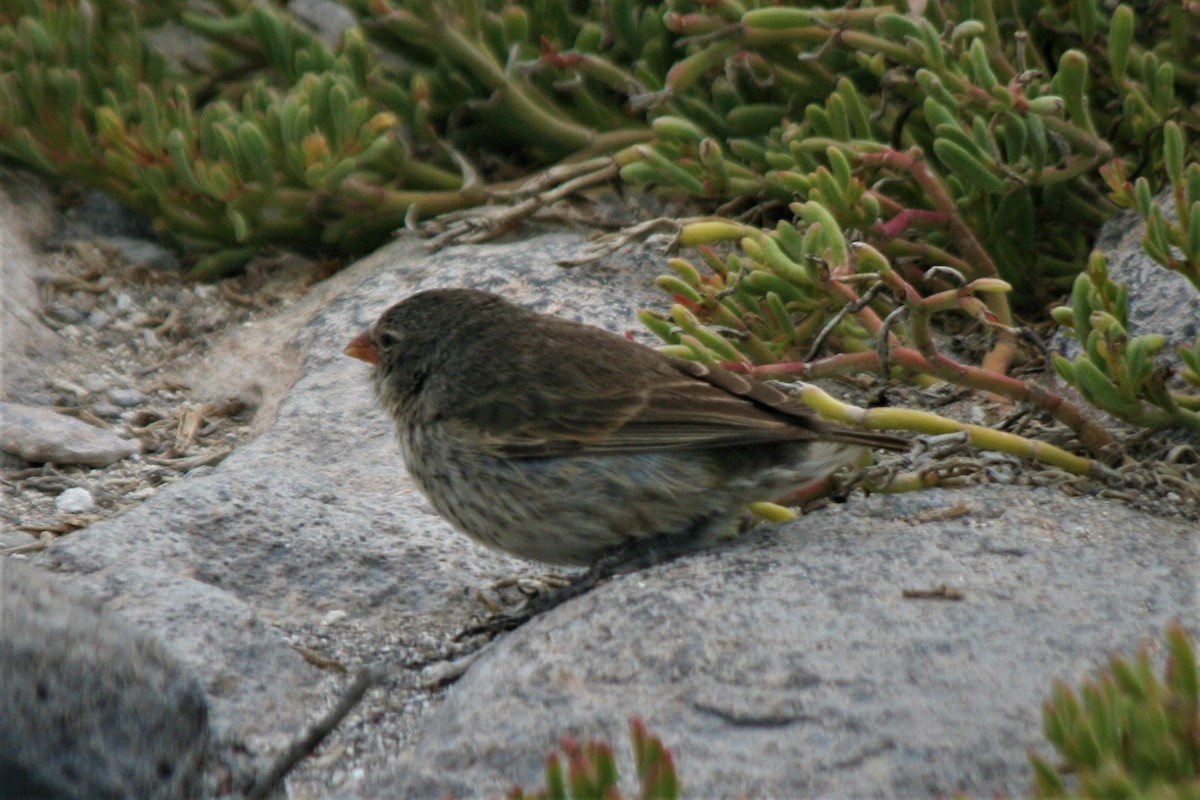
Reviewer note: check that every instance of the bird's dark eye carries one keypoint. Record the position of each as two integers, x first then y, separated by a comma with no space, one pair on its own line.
386,340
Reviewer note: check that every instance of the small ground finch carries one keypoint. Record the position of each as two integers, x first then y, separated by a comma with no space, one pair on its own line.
562,443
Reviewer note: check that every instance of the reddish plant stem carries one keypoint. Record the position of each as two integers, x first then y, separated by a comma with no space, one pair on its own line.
913,162
906,219
1091,435
869,319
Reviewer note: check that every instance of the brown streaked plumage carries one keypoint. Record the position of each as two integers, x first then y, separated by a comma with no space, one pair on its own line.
561,443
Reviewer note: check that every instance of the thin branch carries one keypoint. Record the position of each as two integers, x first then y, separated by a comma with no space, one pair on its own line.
307,744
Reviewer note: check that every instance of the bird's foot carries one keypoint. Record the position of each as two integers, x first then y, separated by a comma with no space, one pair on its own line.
547,594
518,589
633,556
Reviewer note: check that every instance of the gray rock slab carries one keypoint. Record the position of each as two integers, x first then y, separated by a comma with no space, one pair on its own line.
91,707
317,512
790,664
41,436
315,519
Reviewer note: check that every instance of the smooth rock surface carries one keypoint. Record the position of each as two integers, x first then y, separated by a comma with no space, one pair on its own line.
40,436
790,664
91,708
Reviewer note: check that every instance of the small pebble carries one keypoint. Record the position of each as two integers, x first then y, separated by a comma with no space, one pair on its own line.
75,500
143,253
124,302
106,410
126,398
333,617
64,313
95,383
98,319
39,436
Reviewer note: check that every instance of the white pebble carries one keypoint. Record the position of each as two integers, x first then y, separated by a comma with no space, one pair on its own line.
75,500
333,617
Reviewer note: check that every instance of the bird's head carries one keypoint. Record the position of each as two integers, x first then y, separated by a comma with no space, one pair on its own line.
416,335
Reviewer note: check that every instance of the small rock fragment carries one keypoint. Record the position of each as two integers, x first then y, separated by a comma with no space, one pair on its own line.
75,500
98,319
41,436
126,398
95,383
106,410
143,252
64,313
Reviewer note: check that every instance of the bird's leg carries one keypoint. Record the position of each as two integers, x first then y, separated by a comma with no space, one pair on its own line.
629,557
536,604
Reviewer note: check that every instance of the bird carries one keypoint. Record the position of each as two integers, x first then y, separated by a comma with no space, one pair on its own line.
565,444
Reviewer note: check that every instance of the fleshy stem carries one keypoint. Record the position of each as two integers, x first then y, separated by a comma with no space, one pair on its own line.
913,162
525,101
1091,435
929,423
926,359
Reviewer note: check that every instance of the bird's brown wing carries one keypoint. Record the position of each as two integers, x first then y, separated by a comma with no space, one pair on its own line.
674,405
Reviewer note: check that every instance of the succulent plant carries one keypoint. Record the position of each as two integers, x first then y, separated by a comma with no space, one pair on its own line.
591,771
957,151
1126,733
1117,371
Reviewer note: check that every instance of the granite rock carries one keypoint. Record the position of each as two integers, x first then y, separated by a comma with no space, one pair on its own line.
91,707
41,436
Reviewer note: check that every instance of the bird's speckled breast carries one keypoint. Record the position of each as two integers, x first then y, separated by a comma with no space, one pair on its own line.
572,510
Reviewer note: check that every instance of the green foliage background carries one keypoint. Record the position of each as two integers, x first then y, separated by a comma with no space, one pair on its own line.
992,137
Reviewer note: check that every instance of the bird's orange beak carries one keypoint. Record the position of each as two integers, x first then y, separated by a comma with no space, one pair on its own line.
362,348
